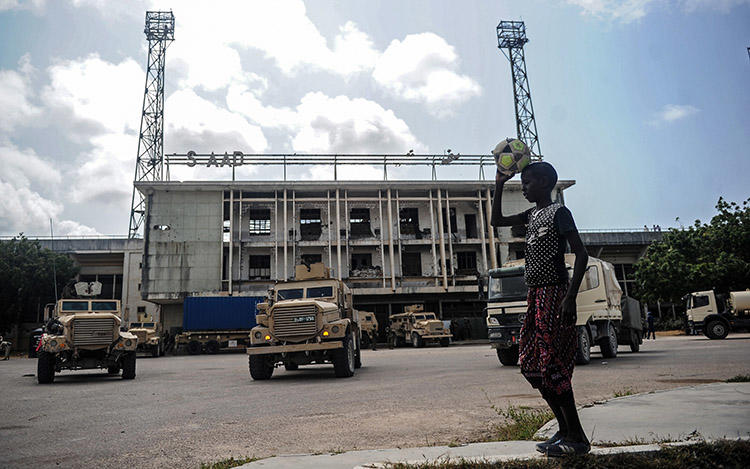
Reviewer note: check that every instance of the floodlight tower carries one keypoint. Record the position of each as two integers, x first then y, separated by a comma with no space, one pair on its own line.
511,37
149,163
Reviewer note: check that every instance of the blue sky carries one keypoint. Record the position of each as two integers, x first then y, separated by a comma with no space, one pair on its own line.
643,102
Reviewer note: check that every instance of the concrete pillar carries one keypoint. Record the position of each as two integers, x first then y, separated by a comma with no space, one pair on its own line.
481,230
286,233
441,240
432,244
338,234
491,230
382,234
390,241
450,238
231,239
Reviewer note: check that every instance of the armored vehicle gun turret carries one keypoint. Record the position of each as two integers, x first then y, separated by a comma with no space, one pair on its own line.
306,321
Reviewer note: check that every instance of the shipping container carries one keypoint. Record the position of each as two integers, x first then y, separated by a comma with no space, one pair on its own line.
212,313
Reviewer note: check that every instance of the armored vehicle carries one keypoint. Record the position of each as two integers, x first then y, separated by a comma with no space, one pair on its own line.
306,321
84,334
417,327
715,315
604,317
368,324
149,334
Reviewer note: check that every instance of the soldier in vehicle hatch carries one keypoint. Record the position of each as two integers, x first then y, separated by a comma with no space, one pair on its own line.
548,335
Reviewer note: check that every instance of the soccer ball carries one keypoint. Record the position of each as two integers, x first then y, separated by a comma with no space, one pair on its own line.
511,156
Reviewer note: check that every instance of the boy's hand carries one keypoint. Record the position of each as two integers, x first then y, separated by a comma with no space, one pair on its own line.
502,178
569,306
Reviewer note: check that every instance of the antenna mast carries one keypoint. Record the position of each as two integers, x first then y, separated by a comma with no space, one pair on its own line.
511,35
149,163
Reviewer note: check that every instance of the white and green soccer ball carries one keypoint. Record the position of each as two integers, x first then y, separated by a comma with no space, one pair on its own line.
511,156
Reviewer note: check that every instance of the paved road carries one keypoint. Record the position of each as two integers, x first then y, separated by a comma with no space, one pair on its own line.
185,410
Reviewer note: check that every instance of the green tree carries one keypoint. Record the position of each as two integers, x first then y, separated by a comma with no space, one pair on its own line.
701,257
27,280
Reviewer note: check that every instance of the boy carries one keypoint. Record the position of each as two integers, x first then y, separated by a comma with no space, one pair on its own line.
548,336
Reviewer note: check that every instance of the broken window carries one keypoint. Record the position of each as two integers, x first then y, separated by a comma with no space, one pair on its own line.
411,264
470,220
409,220
260,222
467,262
310,223
259,267
361,261
454,228
309,259
359,223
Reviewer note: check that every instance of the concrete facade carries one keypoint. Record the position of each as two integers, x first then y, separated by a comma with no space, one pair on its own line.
394,242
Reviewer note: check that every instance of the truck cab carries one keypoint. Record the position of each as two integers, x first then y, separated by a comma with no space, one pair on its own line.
599,311
715,316
306,321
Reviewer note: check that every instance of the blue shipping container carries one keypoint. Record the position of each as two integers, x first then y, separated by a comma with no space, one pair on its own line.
211,313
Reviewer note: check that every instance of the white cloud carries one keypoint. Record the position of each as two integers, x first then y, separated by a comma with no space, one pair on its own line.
627,11
97,92
15,93
345,125
422,68
35,6
23,207
673,112
194,123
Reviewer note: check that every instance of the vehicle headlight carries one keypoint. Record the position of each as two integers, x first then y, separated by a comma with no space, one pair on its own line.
335,329
494,321
128,343
257,334
267,337
53,343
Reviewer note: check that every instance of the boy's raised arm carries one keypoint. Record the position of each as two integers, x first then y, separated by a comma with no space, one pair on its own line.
497,218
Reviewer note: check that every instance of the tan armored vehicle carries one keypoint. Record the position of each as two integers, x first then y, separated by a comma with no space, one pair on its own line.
85,334
604,317
307,321
368,324
417,327
149,334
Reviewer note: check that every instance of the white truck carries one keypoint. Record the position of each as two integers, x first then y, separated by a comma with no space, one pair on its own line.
605,318
715,315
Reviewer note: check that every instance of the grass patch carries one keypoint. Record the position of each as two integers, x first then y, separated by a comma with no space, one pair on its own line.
739,379
227,463
520,422
624,392
726,454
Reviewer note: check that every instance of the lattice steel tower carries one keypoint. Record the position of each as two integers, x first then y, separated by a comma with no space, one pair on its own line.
149,163
511,37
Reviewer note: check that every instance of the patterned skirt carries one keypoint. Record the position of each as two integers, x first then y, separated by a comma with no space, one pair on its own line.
548,341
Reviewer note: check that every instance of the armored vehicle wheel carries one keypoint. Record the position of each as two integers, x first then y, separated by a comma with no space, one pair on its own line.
155,351
635,341
508,356
113,370
608,344
194,347
128,365
358,359
416,340
444,342
260,367
343,359
291,366
45,367
213,347
583,351
716,329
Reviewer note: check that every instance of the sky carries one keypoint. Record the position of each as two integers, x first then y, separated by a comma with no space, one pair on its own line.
644,103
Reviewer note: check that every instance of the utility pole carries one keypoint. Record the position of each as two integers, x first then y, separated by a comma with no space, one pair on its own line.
511,37
149,163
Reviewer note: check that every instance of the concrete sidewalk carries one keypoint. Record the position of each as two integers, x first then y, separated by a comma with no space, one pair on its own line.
711,411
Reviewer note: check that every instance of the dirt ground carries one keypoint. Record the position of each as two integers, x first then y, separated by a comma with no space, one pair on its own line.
184,410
